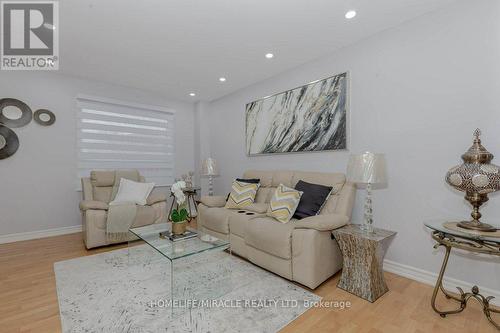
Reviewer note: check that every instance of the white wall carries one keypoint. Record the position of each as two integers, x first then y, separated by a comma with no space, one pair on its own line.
202,144
418,92
38,183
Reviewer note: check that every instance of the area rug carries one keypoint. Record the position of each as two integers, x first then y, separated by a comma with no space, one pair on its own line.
122,291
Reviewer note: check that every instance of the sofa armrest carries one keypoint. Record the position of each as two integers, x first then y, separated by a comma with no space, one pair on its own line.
324,222
156,197
93,204
213,201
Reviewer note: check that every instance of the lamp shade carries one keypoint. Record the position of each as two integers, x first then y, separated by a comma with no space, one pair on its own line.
209,167
366,168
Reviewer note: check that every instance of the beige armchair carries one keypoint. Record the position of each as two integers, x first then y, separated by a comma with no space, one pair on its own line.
97,192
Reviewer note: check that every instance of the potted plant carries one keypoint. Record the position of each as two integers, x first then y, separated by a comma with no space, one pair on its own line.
179,215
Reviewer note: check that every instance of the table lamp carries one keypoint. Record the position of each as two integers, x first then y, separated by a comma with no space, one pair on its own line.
368,169
209,169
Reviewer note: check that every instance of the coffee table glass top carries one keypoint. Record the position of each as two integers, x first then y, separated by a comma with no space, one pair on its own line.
179,249
438,225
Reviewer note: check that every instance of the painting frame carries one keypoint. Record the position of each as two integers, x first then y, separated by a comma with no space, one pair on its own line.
347,118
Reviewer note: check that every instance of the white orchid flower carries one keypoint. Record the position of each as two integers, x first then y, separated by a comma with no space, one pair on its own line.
177,190
180,198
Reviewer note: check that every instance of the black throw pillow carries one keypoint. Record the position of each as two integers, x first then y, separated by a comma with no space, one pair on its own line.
243,180
312,199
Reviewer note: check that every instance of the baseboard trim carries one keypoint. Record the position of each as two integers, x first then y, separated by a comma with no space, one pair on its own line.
430,278
22,236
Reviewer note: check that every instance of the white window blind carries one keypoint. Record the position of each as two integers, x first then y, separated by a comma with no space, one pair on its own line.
114,135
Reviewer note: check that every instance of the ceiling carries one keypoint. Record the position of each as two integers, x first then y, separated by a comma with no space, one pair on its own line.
175,47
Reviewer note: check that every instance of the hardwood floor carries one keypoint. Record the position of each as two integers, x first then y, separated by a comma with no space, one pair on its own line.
28,300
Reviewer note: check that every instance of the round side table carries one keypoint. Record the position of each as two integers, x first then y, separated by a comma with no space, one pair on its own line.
448,235
191,194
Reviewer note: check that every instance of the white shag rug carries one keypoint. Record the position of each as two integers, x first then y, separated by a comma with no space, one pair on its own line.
115,292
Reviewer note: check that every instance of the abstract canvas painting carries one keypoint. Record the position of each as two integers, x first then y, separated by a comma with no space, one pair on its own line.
309,118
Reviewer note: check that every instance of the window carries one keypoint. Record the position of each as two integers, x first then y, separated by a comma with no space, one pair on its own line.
116,135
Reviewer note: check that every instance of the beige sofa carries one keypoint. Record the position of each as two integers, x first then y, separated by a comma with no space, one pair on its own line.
300,250
96,191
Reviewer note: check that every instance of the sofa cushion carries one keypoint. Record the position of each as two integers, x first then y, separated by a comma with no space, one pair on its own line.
284,203
336,180
102,193
264,194
266,177
145,215
238,221
156,197
131,175
242,194
270,236
102,178
283,177
330,205
213,200
312,199
260,208
216,218
324,222
249,180
103,182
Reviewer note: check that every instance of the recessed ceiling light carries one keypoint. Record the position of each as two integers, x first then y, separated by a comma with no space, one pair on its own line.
192,94
350,14
269,55
222,79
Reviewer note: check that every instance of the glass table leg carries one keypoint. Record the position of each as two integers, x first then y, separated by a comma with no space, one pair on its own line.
172,289
128,249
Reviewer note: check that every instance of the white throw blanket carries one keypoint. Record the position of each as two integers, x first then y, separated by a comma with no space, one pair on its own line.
120,219
121,216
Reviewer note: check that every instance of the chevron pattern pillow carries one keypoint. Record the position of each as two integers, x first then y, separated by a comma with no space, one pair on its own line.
242,194
284,203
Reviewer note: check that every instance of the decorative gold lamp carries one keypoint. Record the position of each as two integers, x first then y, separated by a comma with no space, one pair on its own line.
476,177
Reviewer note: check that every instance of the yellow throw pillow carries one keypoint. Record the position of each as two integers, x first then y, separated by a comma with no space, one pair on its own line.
284,203
242,194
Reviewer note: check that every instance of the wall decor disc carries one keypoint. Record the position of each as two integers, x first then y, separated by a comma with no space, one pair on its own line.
26,113
8,142
42,113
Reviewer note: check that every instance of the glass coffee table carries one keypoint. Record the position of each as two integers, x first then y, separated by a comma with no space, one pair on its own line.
188,278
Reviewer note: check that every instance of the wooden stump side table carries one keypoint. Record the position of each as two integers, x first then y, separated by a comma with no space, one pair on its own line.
363,253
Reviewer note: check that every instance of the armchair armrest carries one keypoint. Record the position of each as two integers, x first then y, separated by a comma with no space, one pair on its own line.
93,204
156,197
213,201
324,222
